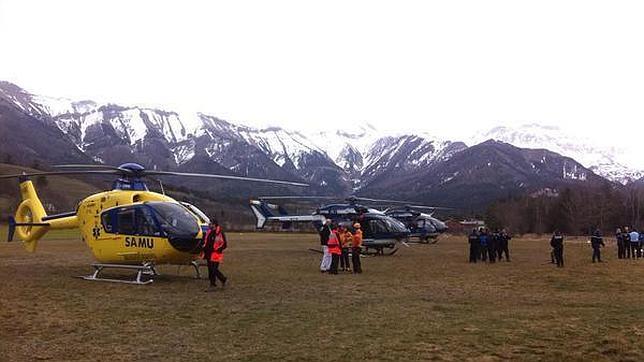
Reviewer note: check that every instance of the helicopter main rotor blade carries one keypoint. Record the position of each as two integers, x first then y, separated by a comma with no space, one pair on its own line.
406,203
382,200
298,198
62,173
79,166
430,207
225,177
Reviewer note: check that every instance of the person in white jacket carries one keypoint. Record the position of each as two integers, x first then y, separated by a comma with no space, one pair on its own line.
325,231
635,244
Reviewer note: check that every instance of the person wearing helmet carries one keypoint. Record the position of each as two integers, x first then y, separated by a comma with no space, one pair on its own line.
356,248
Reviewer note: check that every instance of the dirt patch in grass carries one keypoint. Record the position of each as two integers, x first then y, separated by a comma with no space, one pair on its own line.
425,302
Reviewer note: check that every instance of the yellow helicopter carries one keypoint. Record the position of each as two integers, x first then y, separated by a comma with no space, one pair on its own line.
128,227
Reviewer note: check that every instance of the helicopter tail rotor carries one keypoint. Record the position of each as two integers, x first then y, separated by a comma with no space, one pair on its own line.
27,224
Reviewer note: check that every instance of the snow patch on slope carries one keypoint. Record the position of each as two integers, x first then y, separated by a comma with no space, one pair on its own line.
609,162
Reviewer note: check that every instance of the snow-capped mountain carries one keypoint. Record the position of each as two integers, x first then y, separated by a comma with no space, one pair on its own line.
359,158
609,162
343,160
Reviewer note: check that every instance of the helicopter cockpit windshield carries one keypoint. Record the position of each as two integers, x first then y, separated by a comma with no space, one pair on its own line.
174,219
195,210
383,226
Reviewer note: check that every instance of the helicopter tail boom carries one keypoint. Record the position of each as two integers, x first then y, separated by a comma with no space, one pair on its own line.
264,213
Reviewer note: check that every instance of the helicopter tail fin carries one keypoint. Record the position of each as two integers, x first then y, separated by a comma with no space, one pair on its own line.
268,212
28,223
262,212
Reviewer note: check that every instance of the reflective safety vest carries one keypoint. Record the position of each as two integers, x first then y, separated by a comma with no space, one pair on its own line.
357,238
334,244
348,239
219,243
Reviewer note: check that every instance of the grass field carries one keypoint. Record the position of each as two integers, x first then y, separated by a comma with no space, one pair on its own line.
425,302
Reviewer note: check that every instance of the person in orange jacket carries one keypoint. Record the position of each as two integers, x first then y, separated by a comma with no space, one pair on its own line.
346,238
356,248
334,249
213,252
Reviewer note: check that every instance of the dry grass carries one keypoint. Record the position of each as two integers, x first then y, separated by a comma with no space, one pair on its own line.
425,302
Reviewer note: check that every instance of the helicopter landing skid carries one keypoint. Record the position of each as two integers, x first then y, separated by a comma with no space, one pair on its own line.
145,269
195,264
381,252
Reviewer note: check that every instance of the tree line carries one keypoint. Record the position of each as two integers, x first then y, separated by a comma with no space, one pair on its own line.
573,211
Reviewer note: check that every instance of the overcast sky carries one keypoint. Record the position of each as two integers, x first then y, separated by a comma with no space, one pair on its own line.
443,66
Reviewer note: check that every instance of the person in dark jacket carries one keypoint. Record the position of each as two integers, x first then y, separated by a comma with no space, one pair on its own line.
493,246
626,242
473,240
557,248
504,245
620,243
596,241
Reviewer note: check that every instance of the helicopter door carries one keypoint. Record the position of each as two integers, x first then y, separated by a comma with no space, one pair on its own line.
375,228
131,220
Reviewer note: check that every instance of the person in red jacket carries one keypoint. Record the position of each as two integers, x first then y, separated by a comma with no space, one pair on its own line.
334,249
213,253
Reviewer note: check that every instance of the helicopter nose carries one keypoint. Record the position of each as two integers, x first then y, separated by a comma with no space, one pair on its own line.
186,244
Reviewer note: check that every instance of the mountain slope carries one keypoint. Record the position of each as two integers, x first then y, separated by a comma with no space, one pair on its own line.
607,162
492,170
357,159
24,140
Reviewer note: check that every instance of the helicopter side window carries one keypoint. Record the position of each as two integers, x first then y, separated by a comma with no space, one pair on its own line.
420,223
125,223
377,227
145,224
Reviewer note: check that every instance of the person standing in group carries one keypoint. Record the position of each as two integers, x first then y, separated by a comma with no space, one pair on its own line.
213,252
325,232
345,244
641,247
626,242
620,243
473,240
356,248
557,248
504,246
596,241
483,242
634,244
334,249
492,246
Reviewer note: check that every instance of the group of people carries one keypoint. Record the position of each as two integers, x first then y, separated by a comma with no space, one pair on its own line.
489,246
629,243
557,244
338,241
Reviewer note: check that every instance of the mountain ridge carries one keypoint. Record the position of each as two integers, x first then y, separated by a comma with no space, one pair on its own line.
359,159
